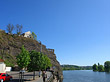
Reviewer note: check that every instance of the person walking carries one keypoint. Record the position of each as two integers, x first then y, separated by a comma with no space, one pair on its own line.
53,74
39,73
57,76
44,76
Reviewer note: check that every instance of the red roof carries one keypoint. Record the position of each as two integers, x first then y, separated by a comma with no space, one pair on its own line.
1,60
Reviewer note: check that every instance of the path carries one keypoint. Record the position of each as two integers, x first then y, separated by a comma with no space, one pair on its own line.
28,76
40,79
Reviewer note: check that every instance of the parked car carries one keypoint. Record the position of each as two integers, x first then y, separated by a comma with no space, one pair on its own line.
5,77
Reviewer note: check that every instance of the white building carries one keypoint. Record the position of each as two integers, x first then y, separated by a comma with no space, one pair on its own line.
2,66
27,34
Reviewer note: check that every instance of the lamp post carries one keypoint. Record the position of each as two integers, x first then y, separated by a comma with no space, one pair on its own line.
40,52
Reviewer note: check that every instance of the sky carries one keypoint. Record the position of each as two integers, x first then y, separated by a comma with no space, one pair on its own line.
78,30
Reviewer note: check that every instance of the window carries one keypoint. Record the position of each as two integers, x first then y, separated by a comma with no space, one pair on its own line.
3,75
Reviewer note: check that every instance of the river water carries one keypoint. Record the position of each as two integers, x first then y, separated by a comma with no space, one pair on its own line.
85,76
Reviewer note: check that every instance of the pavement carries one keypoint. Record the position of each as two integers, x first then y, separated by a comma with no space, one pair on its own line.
40,79
28,76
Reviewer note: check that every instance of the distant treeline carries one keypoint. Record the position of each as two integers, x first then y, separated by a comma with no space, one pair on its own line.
75,67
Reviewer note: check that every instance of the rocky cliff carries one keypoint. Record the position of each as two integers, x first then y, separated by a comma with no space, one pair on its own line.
10,46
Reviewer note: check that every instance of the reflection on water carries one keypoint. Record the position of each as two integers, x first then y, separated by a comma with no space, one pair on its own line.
85,76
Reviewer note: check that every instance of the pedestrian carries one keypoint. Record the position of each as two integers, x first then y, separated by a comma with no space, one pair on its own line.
53,74
44,76
39,73
57,75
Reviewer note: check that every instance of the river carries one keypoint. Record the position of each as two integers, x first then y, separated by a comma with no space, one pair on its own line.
85,76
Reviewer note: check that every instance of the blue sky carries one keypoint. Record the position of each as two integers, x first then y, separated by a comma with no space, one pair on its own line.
78,30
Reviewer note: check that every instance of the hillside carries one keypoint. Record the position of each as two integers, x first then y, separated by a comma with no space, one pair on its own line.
10,46
75,67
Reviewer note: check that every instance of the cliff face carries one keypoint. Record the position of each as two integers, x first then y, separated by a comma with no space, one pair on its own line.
10,46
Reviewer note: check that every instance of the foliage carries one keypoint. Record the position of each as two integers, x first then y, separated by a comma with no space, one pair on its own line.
74,67
10,28
19,29
95,67
34,61
101,68
34,36
9,59
39,61
0,57
9,63
23,59
47,62
107,66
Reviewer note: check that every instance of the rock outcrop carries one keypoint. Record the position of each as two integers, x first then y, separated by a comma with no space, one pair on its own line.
10,46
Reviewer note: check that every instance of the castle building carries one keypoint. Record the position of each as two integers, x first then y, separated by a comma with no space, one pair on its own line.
27,34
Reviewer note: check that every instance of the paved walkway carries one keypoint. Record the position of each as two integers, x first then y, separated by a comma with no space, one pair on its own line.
41,79
28,76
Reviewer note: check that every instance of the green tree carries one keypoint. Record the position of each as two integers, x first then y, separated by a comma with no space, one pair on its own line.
47,62
34,36
100,68
95,67
23,59
10,28
107,66
43,61
33,66
39,61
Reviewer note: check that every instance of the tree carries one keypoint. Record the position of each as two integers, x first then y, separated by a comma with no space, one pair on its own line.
100,68
36,62
23,59
39,61
19,29
34,36
47,62
10,28
95,68
33,64
107,66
